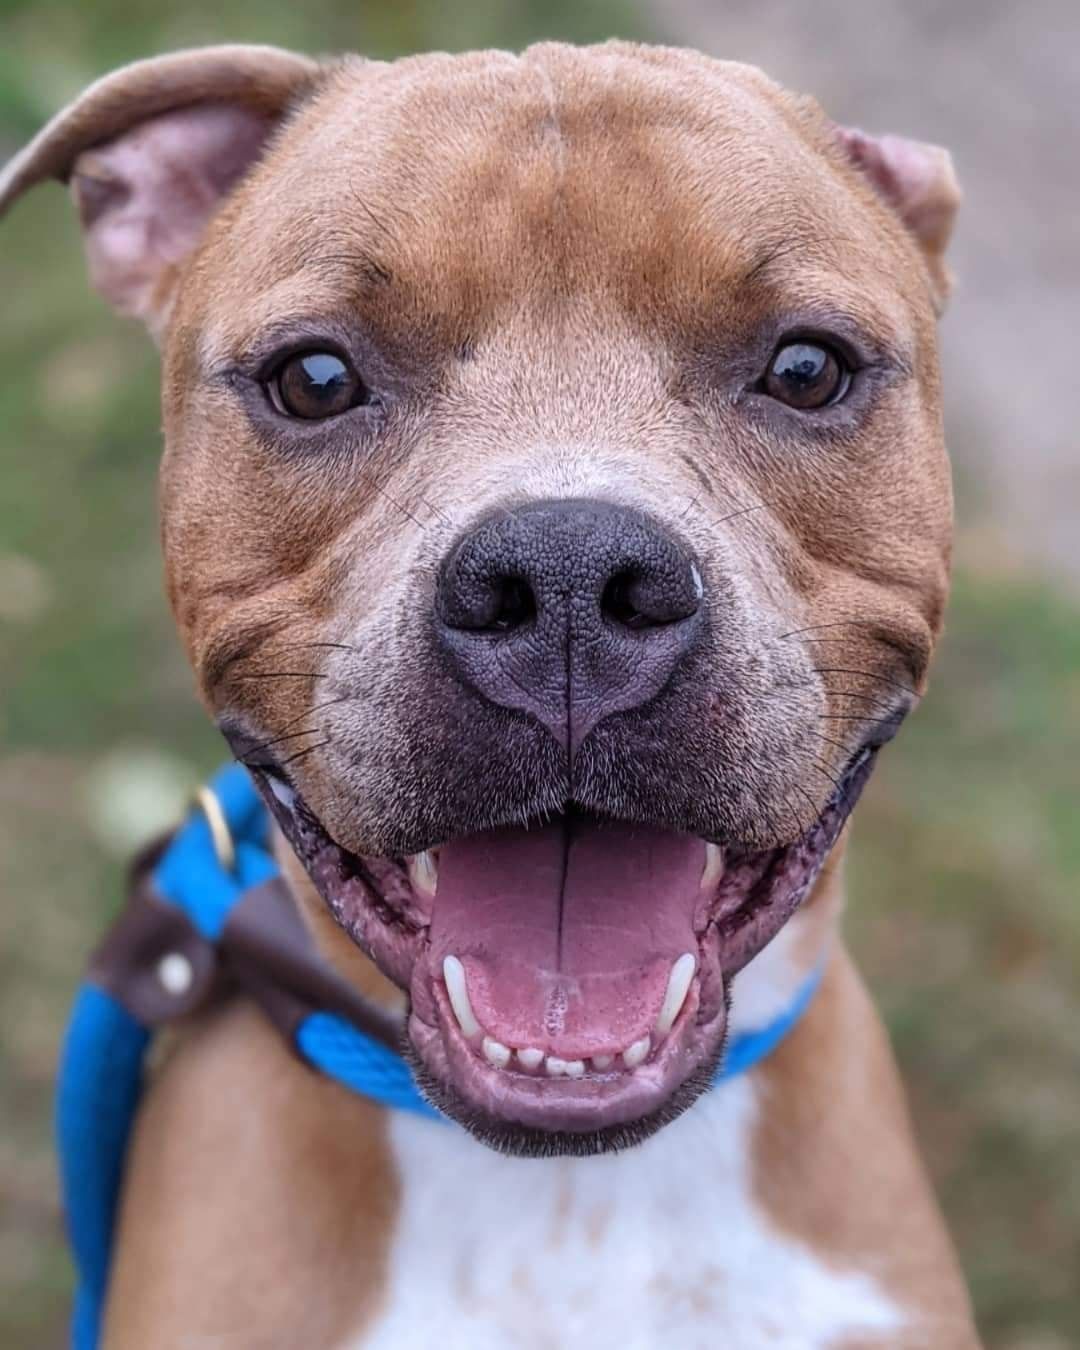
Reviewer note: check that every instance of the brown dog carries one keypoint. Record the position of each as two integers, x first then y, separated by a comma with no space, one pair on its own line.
557,520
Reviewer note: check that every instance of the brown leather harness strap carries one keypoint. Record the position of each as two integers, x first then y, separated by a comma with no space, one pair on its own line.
156,963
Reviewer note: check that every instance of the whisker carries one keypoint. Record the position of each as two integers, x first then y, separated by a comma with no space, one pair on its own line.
839,623
848,640
867,674
338,646
828,774
393,500
436,511
279,740
252,764
814,813
318,707
380,488
801,828
770,821
847,749
308,751
746,511
370,477
315,707
868,699
872,705
283,675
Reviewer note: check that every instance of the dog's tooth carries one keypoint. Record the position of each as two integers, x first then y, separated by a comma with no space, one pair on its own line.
564,1068
635,1054
682,972
531,1057
495,1052
458,991
603,1061
424,873
714,866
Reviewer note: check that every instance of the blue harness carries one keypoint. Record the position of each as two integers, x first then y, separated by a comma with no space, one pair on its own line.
101,1064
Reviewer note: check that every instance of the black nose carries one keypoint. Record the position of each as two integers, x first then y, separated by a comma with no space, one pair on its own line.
569,610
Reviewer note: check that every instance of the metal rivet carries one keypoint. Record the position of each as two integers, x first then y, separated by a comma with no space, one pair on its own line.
175,973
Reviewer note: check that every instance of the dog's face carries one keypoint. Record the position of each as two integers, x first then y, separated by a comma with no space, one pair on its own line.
556,517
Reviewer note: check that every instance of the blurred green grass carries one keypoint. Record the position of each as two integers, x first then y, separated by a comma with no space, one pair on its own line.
964,878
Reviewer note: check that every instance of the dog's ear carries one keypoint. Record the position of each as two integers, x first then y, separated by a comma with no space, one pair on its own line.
150,151
918,182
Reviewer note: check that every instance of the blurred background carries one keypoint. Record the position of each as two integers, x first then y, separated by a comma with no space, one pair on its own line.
966,913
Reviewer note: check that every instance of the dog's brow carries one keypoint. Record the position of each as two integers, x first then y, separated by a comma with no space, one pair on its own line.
292,306
360,264
773,253
804,248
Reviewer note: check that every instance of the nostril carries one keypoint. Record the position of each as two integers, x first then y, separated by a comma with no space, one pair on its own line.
619,605
485,602
651,599
515,604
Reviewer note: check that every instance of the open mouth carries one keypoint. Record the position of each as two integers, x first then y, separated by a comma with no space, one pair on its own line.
568,980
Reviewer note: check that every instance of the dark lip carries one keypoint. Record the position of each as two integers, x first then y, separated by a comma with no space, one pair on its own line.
582,1129
771,884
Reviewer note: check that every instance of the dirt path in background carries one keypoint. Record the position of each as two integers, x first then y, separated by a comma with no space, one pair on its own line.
999,84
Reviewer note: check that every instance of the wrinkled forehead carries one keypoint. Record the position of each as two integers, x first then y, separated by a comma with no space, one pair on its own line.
447,193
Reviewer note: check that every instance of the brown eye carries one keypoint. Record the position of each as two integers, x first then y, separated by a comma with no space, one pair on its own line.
315,385
806,375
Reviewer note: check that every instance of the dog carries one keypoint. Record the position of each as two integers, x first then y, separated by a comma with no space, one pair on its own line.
557,519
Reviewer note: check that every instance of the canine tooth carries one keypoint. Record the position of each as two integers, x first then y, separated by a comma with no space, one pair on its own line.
531,1057
424,873
454,975
678,986
635,1054
714,866
603,1061
495,1052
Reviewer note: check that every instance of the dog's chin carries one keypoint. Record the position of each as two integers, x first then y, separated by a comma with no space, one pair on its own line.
568,980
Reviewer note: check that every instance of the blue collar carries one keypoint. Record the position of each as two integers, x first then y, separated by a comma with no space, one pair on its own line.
101,1066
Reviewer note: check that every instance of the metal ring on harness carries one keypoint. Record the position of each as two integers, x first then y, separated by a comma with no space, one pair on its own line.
206,800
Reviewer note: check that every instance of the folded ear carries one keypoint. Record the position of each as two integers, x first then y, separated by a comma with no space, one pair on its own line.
150,151
918,182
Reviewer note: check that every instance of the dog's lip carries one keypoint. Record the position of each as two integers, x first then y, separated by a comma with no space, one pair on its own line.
497,1104
487,1098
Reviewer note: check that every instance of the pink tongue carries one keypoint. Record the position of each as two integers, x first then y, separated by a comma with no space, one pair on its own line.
567,932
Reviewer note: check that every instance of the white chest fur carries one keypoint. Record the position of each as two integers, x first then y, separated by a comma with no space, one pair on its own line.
663,1245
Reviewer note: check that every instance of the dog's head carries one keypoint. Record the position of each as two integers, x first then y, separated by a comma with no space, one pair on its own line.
555,512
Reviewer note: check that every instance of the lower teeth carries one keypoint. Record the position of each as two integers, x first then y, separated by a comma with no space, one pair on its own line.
532,1058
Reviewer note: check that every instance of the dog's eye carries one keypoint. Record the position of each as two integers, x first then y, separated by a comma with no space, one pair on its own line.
314,385
806,375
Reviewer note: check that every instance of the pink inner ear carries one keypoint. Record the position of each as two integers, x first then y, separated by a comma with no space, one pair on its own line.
914,178
145,198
